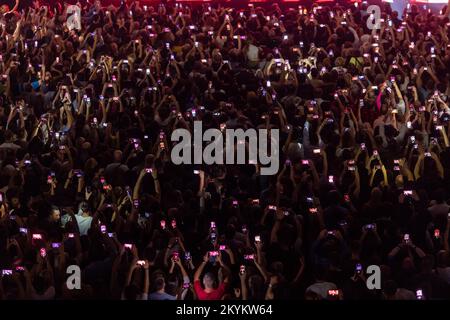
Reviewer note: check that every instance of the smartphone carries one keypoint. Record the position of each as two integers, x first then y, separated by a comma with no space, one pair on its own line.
78,173
255,201
242,269
176,256
6,272
257,238
346,198
43,252
56,245
213,225
222,247
213,255
140,262
330,179
358,268
249,257
406,238
23,230
196,172
305,162
103,228
37,236
316,151
187,255
111,234
128,246
313,210
71,235
333,293
173,224
363,146
419,294
437,233
272,207
163,224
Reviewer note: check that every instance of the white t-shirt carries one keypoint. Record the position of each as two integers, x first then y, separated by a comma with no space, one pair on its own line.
84,224
253,53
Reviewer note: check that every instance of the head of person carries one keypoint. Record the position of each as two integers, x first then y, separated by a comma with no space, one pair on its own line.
9,136
376,195
55,214
390,289
4,9
333,197
83,208
439,196
209,280
117,156
160,284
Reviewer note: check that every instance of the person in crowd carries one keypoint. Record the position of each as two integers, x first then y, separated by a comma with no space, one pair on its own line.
90,95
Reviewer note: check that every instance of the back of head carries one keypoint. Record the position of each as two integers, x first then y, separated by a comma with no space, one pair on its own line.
390,288
376,195
160,283
333,197
83,207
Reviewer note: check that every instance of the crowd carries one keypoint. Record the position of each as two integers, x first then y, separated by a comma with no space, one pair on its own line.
86,114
